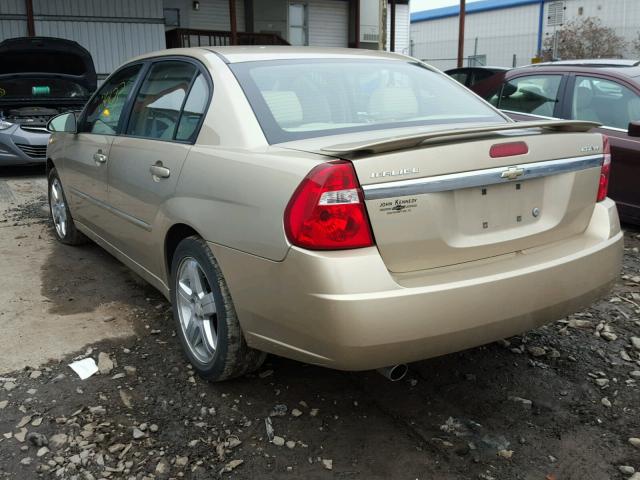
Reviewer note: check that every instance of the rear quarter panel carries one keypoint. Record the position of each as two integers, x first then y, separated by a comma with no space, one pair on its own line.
237,198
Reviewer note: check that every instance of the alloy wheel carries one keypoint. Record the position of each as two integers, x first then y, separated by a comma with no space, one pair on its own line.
58,208
196,310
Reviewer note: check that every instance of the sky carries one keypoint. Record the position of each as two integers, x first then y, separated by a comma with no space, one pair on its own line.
419,5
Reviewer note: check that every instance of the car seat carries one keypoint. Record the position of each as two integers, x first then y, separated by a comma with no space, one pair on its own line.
583,105
392,103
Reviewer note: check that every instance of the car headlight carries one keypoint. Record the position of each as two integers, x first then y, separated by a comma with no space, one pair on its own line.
4,124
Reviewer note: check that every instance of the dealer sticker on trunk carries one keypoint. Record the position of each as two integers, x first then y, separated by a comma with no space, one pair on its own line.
399,205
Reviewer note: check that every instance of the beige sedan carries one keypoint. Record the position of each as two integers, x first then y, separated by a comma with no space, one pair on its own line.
346,208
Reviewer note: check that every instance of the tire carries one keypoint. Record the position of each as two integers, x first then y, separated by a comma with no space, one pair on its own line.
205,318
64,227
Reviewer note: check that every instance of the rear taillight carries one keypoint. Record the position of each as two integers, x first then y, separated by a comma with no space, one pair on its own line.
603,185
327,211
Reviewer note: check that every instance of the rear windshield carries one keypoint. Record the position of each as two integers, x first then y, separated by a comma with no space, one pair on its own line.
297,99
40,88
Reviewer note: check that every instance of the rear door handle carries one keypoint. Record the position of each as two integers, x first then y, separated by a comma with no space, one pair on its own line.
159,171
99,157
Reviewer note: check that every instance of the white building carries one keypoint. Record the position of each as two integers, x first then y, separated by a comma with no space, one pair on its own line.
511,32
116,30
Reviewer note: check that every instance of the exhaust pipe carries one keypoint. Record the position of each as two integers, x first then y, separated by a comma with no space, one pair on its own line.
394,372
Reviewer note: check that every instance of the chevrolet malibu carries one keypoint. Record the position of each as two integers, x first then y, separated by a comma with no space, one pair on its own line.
345,208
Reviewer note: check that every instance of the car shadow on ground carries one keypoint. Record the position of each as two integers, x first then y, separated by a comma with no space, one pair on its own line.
22,171
80,278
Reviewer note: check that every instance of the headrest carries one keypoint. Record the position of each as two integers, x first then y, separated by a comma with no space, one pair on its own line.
584,95
508,90
285,107
390,103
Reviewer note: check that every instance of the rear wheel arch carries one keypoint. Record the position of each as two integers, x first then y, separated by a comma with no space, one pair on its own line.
197,284
174,236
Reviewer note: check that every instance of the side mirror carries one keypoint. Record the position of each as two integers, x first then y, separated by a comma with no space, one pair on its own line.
65,122
634,129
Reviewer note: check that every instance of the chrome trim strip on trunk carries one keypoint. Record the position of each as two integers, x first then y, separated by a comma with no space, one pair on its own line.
479,178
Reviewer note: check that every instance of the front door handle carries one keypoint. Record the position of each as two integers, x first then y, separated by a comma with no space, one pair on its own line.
99,157
158,171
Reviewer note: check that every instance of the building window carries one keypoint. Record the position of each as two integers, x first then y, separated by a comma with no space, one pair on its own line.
298,24
172,17
556,14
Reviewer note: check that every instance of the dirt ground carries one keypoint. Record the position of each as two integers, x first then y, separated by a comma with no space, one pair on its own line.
61,309
560,403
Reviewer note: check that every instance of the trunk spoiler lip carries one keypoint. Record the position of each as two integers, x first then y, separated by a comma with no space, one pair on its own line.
415,140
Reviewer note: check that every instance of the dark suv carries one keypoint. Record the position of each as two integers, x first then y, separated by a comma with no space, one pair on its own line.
603,91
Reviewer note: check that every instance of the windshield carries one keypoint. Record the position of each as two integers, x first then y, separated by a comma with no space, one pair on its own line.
298,99
40,88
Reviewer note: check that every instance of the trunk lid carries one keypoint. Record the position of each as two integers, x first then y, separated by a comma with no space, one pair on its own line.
438,198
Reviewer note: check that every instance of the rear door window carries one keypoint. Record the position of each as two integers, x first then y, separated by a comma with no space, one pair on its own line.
194,109
535,94
604,101
159,102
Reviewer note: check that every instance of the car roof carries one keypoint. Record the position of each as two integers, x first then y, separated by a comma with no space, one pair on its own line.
597,62
482,67
237,54
629,70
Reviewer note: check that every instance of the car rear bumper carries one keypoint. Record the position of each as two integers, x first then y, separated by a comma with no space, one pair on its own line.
22,147
345,310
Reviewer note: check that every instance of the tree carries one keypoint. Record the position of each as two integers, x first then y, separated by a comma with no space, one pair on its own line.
584,38
636,43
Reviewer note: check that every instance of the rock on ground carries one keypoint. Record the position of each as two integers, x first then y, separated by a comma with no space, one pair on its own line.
105,364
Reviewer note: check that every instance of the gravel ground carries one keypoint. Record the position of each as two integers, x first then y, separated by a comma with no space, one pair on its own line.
560,403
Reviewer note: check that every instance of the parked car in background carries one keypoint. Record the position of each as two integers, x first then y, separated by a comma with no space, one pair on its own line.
603,91
469,76
40,77
347,208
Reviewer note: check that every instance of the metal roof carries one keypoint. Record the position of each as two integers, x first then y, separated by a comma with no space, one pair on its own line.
474,7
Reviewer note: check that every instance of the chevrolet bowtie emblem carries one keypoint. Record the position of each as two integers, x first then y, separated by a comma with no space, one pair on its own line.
512,173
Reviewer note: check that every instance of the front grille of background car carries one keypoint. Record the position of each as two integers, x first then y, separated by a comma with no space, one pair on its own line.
35,129
33,151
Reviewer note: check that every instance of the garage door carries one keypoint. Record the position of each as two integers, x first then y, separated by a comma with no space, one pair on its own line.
328,23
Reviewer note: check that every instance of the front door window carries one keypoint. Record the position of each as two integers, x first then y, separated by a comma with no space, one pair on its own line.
535,94
104,111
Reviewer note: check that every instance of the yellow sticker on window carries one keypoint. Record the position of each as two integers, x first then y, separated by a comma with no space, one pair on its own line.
106,112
